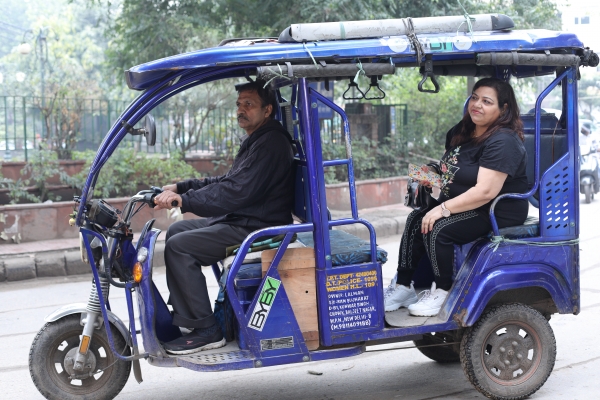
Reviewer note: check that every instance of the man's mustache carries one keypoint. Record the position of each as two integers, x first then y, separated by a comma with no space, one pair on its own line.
242,117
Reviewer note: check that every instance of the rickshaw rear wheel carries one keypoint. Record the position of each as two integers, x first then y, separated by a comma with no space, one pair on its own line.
437,350
49,363
509,353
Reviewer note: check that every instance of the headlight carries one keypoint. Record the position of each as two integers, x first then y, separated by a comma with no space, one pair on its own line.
142,254
102,213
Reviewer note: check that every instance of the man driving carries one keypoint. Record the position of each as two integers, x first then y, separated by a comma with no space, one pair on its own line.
257,192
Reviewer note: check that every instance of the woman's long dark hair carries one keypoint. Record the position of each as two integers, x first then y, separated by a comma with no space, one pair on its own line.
510,117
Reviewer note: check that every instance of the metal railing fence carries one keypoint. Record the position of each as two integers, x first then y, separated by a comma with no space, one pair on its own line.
81,124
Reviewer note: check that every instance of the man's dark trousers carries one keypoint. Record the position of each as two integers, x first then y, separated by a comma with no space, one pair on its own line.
191,244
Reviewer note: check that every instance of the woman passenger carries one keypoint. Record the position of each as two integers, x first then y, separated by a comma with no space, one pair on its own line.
485,157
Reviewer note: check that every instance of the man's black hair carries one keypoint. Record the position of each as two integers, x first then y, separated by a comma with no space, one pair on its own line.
267,96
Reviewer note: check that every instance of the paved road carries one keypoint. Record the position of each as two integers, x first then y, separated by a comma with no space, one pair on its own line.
401,373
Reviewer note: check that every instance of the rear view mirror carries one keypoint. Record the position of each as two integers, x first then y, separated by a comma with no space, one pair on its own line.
150,128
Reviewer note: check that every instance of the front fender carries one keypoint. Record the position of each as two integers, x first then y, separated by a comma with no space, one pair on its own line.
473,302
80,308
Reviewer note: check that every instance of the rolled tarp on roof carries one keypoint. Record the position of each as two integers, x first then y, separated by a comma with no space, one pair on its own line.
514,58
392,27
319,71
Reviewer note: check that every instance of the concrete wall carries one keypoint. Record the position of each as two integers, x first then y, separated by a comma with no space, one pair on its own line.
369,193
204,165
32,222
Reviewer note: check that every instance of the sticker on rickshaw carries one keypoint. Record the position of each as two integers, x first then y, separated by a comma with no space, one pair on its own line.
433,44
264,303
352,300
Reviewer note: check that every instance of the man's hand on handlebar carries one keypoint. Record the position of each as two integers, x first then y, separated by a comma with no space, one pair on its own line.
167,199
171,188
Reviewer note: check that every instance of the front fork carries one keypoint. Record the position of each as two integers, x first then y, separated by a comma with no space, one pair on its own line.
93,320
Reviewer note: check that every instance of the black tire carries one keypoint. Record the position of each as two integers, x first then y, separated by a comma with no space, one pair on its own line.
506,340
47,368
441,354
587,190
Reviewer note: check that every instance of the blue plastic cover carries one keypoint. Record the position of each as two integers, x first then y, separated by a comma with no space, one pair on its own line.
398,48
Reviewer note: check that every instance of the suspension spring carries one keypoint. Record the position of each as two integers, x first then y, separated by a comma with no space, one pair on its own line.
93,301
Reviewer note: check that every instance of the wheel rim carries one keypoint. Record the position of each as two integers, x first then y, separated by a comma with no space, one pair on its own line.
511,353
57,370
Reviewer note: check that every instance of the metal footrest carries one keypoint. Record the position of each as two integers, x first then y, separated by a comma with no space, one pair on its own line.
229,357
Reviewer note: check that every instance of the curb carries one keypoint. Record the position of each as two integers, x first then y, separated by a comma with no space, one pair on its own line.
68,262
383,227
56,263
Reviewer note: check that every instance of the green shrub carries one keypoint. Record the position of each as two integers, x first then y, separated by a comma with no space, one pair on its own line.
42,165
370,159
128,169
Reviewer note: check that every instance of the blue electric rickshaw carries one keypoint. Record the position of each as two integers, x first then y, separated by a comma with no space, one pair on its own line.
507,285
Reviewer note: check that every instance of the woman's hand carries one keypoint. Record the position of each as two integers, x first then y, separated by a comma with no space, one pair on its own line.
429,219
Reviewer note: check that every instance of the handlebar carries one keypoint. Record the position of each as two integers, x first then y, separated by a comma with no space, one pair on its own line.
146,197
153,192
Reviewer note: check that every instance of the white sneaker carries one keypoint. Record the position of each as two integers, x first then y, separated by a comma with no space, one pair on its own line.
396,296
429,304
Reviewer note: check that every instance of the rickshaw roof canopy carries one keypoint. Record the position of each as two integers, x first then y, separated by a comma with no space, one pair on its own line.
399,50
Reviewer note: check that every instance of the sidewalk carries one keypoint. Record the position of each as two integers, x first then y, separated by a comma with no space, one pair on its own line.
61,257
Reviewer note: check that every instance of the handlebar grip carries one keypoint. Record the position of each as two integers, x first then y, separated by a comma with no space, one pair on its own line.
175,203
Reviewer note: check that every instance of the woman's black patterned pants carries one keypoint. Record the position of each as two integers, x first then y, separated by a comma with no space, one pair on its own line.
460,228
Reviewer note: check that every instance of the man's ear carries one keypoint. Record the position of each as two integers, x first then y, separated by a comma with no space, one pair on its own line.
269,109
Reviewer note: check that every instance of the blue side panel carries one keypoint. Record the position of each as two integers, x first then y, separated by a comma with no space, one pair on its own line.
558,197
271,329
513,267
155,318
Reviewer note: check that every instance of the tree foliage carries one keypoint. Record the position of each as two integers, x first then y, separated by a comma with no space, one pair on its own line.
62,68
430,116
145,30
127,170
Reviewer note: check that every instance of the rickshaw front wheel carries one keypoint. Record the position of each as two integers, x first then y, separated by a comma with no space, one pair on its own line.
509,353
51,358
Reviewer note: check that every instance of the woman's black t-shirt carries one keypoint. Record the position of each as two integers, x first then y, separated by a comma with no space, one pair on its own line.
503,152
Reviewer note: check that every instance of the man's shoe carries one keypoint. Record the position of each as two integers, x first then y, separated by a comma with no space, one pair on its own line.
429,304
196,340
396,296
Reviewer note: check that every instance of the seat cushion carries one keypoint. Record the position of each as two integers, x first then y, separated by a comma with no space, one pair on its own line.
530,228
346,249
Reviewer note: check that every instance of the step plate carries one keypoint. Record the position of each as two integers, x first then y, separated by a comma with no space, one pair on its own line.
226,358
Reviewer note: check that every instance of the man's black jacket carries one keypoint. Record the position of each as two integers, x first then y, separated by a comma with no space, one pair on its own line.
258,190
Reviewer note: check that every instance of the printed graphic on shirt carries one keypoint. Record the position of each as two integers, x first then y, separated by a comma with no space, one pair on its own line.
449,169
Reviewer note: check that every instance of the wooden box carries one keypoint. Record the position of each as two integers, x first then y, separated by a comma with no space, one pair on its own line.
297,272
